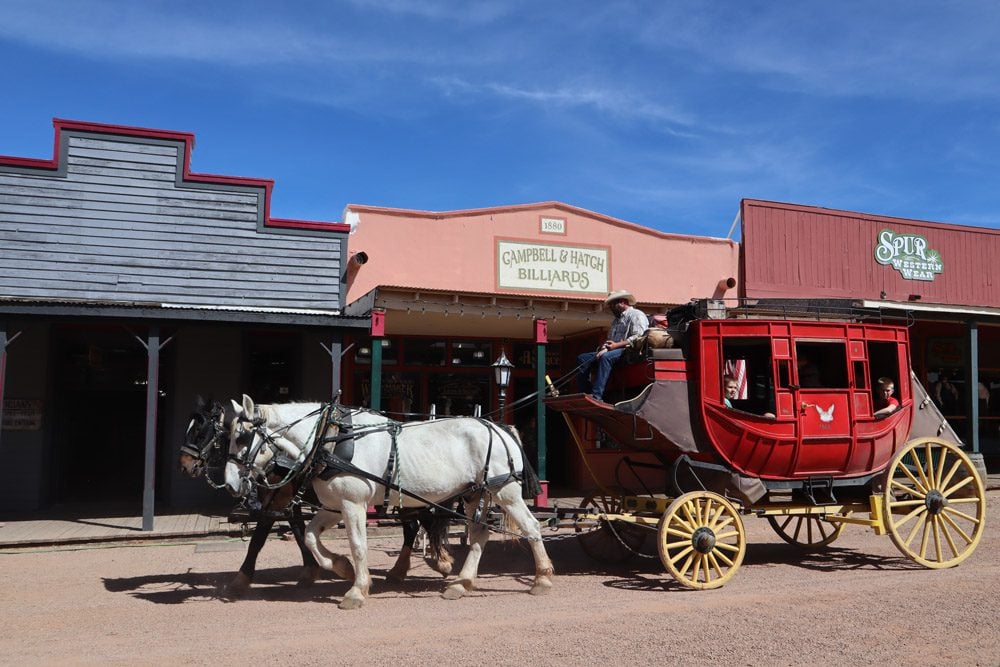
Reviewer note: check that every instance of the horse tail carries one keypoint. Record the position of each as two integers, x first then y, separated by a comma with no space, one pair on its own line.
531,486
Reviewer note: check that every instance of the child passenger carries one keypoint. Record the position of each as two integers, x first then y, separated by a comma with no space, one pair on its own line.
731,390
885,403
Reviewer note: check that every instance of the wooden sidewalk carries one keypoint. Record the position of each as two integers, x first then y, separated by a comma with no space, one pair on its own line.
30,532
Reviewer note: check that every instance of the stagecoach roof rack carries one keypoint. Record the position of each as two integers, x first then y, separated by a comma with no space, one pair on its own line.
839,310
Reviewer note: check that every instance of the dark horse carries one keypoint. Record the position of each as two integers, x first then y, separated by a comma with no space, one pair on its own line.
206,444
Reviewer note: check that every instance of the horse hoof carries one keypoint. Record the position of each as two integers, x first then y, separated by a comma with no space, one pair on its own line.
541,588
394,577
455,591
441,567
351,603
308,577
236,588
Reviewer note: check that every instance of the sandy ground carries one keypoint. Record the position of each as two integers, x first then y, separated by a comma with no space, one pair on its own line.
857,603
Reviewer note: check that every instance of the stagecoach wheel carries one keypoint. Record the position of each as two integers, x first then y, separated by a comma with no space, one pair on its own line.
701,540
806,531
935,503
608,541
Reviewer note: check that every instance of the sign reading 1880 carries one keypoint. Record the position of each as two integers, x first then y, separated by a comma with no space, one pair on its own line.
526,265
908,254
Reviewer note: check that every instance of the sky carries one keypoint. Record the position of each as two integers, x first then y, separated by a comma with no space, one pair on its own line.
663,113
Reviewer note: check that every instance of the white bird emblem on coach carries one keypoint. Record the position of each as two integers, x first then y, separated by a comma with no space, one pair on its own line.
826,415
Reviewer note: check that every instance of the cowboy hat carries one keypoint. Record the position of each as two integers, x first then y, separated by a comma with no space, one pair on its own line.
620,294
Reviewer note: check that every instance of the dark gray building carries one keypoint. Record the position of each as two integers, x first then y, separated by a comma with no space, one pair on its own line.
129,285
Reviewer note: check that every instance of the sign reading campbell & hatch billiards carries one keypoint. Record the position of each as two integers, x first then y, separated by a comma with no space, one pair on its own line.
543,267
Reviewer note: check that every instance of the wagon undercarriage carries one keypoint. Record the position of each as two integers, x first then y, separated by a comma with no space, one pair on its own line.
932,506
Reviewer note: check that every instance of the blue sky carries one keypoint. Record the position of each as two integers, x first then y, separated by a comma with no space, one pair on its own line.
663,113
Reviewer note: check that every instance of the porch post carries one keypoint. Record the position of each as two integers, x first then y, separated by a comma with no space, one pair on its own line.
3,371
4,344
541,339
152,394
378,333
336,351
972,396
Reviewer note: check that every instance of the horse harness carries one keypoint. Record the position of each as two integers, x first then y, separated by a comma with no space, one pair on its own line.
335,427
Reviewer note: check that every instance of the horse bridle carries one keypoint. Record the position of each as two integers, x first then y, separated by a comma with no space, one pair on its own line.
207,442
252,436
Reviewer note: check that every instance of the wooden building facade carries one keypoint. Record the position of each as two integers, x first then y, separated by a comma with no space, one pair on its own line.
941,279
129,285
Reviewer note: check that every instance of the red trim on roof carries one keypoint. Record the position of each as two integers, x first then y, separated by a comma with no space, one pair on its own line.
188,140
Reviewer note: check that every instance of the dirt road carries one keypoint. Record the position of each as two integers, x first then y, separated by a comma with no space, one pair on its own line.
857,603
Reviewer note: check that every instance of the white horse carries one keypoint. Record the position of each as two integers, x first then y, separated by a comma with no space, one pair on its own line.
434,461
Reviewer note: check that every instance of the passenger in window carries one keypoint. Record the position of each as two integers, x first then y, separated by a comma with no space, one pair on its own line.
731,390
885,403
808,372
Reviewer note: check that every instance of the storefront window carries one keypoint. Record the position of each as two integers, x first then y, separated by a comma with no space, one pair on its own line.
524,355
424,352
458,394
400,394
471,354
390,352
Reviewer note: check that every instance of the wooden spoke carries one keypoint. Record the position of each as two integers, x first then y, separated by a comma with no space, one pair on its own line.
712,540
609,540
807,531
923,484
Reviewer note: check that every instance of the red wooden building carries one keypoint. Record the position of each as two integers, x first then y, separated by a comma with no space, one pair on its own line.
941,278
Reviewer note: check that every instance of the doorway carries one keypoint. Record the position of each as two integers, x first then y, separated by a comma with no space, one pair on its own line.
99,391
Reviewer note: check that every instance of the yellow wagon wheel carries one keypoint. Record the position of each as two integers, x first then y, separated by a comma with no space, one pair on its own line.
935,504
701,540
608,540
806,531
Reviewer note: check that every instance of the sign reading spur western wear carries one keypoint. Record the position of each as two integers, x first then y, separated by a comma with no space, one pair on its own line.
529,265
908,254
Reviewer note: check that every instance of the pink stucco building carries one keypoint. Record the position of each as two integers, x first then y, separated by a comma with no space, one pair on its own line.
459,287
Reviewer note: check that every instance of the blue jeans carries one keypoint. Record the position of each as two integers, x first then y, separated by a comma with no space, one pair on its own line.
604,364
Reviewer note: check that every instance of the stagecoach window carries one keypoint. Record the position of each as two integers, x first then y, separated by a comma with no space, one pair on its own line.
860,377
749,361
784,373
821,364
883,361
424,352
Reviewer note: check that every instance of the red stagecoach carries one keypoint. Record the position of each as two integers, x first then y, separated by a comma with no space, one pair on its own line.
800,444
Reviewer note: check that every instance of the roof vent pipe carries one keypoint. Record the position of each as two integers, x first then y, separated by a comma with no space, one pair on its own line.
353,264
723,285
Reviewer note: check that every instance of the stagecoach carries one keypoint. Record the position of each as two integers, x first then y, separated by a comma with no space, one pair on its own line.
801,445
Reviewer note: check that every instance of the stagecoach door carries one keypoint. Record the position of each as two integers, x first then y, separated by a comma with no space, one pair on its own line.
821,401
